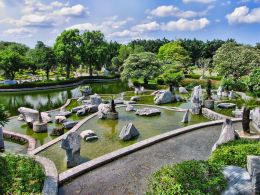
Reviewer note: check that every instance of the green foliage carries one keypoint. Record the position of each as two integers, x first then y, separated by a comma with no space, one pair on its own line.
231,83
235,152
160,80
20,175
3,115
236,60
193,76
174,53
149,45
189,177
254,82
209,87
141,66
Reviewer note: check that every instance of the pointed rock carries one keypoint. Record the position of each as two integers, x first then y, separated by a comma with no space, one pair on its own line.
129,132
185,118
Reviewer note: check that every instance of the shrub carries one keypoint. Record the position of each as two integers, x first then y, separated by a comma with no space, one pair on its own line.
253,83
20,175
160,81
192,76
233,84
136,83
218,78
235,152
188,177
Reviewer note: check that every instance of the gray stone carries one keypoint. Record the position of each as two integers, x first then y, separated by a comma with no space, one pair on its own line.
64,113
239,181
69,124
2,145
81,112
219,92
119,101
231,95
164,97
255,115
95,99
130,108
178,98
87,133
31,116
227,134
76,109
182,90
39,127
91,108
129,102
129,132
57,131
81,99
253,168
196,100
71,144
148,112
209,104
135,98
185,118
86,90
20,117
105,112
226,105
91,138
60,119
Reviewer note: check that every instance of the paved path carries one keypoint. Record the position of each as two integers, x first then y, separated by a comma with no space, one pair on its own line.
128,175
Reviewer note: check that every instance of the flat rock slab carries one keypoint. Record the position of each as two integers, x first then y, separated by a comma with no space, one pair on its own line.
226,105
148,112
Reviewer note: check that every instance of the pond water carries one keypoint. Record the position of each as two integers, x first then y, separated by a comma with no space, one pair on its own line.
55,98
108,132
15,147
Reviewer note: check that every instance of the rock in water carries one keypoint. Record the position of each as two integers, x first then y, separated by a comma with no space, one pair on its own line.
135,98
227,134
31,116
88,135
95,99
186,117
196,100
128,132
164,97
130,108
71,144
69,124
81,112
57,131
182,90
2,145
148,112
39,127
105,112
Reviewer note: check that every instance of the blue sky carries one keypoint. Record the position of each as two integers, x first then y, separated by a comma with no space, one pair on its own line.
28,21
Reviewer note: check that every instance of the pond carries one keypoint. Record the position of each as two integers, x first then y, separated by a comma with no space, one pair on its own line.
108,132
51,99
15,147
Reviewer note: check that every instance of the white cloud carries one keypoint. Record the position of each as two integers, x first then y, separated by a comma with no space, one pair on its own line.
151,26
244,15
124,33
76,10
2,4
85,26
198,1
19,32
186,25
170,10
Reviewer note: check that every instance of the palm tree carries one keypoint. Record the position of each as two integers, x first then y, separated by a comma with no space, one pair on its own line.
3,121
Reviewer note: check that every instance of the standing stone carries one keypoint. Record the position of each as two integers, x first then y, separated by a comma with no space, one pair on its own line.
105,111
186,117
71,144
227,134
129,132
164,97
255,115
219,92
253,167
196,100
2,145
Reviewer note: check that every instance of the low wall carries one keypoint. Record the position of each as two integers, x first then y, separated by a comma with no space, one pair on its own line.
21,138
210,114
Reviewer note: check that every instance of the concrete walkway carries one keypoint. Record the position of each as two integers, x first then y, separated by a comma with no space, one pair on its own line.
129,174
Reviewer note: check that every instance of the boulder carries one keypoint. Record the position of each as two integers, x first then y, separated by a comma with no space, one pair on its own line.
60,119
57,131
219,92
185,118
71,144
95,99
130,108
231,95
69,124
91,108
86,90
255,115
135,98
182,90
76,109
64,113
253,167
20,117
148,112
196,100
178,98
88,135
129,132
105,112
89,139
31,116
81,99
39,127
226,105
227,134
119,101
81,112
164,97
129,102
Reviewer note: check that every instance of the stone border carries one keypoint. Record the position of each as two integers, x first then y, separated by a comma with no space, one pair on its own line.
58,86
51,175
107,158
210,114
23,138
83,121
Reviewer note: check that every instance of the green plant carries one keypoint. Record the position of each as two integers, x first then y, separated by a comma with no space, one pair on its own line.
160,81
3,116
253,83
188,177
235,152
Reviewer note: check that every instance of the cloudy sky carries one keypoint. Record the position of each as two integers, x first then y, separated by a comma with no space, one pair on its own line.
27,21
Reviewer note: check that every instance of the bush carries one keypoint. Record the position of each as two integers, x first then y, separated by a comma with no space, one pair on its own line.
235,152
192,76
217,78
160,81
188,177
20,175
233,84
253,83
190,83
136,83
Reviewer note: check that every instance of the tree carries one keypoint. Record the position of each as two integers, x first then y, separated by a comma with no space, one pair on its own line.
141,66
236,60
149,45
172,78
67,49
43,57
3,116
11,61
254,82
204,64
94,49
174,53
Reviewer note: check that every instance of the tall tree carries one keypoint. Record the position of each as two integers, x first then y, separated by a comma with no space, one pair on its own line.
67,49
94,50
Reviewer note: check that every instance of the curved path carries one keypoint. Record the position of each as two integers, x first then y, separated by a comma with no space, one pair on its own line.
128,175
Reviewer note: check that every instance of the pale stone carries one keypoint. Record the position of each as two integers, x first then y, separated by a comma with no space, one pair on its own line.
76,109
86,90
31,116
164,97
135,98
130,108
128,132
196,100
255,115
182,90
148,112
185,118
95,99
226,105
105,112
60,119
69,124
219,92
71,144
40,127
87,133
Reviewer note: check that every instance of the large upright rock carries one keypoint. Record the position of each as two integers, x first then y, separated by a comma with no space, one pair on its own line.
255,115
71,144
219,92
2,145
95,99
129,132
31,116
164,97
185,118
253,167
105,111
227,134
196,100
